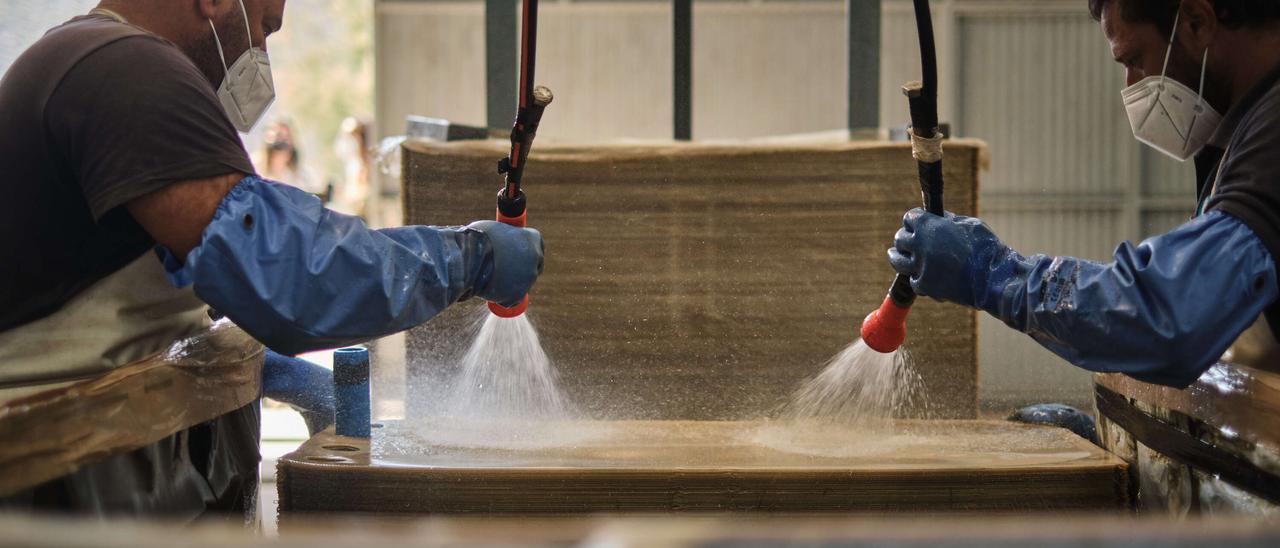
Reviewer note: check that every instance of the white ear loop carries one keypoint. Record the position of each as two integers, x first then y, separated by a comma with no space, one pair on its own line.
1204,65
1164,69
1204,61
248,33
219,44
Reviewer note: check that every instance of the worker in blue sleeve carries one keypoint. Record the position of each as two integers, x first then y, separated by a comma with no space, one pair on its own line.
132,208
1165,310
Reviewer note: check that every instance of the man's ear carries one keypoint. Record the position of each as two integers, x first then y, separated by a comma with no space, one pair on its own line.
1197,26
213,9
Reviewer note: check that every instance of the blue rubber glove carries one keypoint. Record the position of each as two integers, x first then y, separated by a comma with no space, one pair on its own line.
303,385
1161,312
512,258
950,258
299,277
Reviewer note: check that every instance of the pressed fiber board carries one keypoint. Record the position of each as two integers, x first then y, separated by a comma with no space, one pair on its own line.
699,281
712,466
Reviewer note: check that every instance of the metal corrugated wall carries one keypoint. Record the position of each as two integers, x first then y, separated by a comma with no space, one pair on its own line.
760,68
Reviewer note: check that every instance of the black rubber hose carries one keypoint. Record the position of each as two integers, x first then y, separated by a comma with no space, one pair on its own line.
922,99
924,107
527,111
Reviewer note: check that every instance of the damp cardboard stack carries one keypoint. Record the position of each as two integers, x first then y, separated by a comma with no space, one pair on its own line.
698,281
711,466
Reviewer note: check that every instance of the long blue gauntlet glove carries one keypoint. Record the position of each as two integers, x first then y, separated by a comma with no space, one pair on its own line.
299,277
1162,312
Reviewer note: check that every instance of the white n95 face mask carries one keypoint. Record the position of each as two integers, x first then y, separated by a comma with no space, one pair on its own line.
247,90
1167,115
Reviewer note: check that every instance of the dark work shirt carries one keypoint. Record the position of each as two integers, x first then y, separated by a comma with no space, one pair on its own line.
93,115
1249,184
1243,156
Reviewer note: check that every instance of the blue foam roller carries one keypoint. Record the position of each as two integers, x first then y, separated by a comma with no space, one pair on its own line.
351,391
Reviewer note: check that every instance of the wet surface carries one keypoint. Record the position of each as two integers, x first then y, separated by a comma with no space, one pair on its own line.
900,445
1239,401
513,467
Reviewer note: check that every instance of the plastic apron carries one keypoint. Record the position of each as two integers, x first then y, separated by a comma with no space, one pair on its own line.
208,469
129,315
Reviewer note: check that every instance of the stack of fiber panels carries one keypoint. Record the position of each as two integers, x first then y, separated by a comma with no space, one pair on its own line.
698,281
703,466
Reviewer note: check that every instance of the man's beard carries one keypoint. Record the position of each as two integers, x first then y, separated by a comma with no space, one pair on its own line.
202,49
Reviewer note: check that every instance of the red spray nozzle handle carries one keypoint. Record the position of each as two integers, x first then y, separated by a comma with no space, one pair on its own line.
513,221
886,328
515,311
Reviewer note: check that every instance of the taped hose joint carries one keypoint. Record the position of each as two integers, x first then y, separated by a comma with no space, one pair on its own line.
926,149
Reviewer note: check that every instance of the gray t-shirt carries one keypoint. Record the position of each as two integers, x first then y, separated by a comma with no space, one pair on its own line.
1246,150
1249,185
93,115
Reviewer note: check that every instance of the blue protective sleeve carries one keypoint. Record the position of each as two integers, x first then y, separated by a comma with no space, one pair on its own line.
1161,312
299,277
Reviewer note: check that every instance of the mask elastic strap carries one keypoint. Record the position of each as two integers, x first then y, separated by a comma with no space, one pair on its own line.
1204,64
247,31
219,44
1164,69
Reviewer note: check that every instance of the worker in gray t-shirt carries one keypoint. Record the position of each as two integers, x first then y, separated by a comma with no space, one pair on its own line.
131,207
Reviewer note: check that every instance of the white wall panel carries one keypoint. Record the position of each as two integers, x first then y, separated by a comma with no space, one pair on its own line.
759,68
1037,88
1159,222
899,64
767,69
429,61
22,22
610,66
1164,176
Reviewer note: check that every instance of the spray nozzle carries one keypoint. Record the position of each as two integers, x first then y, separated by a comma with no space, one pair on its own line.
513,312
886,328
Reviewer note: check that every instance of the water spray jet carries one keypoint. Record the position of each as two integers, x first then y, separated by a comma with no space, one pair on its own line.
512,205
884,329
